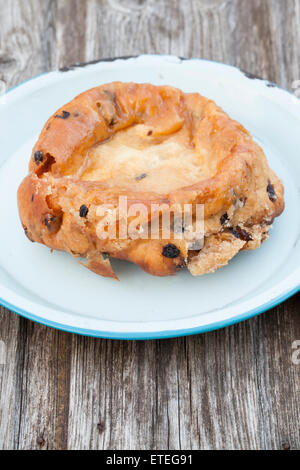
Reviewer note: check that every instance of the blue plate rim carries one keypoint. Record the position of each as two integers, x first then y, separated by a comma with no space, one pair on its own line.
164,334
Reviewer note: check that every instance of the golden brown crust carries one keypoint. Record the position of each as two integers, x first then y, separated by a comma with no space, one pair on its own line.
237,181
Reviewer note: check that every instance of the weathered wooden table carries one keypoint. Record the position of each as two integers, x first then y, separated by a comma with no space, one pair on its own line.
235,388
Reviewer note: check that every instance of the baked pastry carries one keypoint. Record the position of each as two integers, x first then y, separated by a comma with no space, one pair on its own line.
154,146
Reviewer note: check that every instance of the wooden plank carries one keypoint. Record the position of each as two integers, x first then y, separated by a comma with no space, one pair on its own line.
11,368
45,385
70,31
277,378
232,389
24,43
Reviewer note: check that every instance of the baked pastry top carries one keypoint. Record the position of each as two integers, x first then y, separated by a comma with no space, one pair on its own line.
157,147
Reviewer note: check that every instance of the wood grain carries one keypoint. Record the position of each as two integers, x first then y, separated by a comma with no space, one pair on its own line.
235,388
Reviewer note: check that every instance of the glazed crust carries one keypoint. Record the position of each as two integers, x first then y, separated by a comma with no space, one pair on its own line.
240,193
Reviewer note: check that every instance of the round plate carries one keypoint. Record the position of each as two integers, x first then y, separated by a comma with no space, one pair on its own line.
53,289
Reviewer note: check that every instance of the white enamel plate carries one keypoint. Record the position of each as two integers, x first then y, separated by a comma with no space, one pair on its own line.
53,289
